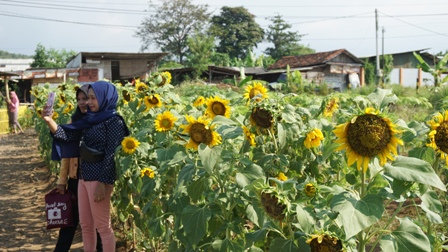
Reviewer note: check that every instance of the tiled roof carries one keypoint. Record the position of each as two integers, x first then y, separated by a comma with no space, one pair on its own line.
310,59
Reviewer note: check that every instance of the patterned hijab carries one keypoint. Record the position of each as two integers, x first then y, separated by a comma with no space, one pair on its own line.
107,96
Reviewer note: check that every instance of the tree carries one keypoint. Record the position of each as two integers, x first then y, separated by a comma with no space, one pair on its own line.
285,42
236,31
387,62
437,71
7,55
171,24
51,58
201,52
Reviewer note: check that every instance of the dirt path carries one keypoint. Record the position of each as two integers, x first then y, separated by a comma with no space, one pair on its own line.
24,180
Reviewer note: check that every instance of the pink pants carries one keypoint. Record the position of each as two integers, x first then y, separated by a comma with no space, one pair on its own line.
95,216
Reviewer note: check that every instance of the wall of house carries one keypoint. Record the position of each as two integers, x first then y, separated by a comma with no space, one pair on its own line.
128,68
410,76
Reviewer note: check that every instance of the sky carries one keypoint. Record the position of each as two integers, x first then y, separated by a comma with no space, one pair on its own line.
362,27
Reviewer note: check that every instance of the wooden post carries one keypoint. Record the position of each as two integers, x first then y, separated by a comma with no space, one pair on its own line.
420,77
7,88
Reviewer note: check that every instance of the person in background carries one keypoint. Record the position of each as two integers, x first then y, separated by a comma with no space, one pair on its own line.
101,131
68,180
13,112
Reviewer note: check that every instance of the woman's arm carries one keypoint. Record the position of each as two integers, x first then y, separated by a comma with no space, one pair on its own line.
48,118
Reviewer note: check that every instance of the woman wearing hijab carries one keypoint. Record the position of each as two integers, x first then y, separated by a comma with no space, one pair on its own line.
68,180
100,132
13,112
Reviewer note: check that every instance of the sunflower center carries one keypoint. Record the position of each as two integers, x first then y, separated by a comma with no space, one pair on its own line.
254,92
130,145
272,206
218,108
166,123
153,100
262,117
200,134
441,137
126,95
368,135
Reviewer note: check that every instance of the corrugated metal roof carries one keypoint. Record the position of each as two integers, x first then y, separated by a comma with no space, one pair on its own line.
123,56
311,59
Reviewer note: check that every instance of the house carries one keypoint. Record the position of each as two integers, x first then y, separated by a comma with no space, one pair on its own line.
335,68
88,67
405,68
113,66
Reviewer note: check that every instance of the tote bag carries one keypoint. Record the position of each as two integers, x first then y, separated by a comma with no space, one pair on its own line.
59,209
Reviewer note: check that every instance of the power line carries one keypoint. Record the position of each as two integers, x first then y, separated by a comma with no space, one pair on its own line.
425,29
70,7
125,27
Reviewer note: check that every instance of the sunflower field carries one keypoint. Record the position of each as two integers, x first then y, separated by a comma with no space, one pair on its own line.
208,169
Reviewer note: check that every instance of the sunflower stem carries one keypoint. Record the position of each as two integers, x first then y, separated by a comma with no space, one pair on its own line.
274,140
363,184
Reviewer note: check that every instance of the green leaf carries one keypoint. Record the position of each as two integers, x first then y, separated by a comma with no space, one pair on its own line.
209,156
355,215
196,189
248,174
227,245
223,120
281,135
414,170
282,245
432,206
195,221
305,220
424,153
382,97
408,237
259,235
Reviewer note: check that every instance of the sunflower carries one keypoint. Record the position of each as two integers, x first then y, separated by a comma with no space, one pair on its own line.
366,136
256,92
438,136
199,101
282,177
152,101
129,145
200,132
217,106
68,108
273,207
140,87
331,107
167,77
313,138
261,118
324,242
55,115
148,172
249,136
126,96
164,121
310,190
62,99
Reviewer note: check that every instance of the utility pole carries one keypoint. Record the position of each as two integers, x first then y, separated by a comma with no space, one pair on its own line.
377,55
384,59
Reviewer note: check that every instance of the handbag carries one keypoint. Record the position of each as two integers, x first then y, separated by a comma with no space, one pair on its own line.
59,209
89,154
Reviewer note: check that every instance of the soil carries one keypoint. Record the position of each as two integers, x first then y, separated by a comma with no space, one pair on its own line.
24,181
